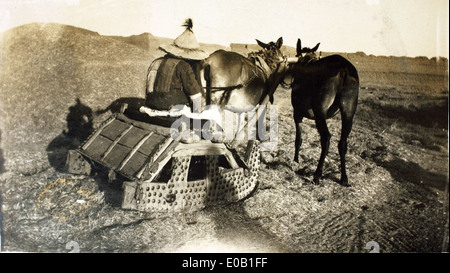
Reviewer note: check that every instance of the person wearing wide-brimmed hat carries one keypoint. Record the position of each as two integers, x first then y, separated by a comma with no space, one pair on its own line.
176,81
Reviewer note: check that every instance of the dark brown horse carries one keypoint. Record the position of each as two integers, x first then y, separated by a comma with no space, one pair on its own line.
237,82
320,89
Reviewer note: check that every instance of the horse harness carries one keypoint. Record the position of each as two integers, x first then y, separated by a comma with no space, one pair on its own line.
260,64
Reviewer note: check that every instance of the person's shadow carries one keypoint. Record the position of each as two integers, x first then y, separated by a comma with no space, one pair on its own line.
79,127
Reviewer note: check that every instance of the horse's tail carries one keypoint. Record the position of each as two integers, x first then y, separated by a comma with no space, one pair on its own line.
205,77
102,111
352,72
350,77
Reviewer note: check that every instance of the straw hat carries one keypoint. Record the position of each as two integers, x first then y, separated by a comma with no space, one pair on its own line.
186,45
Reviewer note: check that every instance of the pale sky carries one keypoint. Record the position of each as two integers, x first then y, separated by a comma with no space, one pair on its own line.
379,27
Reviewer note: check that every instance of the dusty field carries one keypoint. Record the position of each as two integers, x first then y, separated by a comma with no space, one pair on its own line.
397,165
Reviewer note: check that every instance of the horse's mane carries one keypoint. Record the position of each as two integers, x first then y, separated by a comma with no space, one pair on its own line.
308,58
267,55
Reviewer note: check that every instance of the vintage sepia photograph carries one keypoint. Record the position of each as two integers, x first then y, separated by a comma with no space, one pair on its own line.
224,126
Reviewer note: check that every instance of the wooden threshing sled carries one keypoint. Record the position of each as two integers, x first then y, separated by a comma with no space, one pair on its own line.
163,173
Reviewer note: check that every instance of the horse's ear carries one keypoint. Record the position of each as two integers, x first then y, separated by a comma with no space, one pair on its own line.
261,44
314,49
279,42
299,47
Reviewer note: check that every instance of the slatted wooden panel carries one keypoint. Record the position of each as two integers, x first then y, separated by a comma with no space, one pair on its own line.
124,146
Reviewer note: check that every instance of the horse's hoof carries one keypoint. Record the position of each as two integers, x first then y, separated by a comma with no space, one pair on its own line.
344,183
316,180
296,159
302,171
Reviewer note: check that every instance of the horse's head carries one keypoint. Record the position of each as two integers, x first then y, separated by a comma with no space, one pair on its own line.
271,53
277,62
306,55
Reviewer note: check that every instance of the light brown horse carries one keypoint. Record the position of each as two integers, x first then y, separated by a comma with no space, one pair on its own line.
237,82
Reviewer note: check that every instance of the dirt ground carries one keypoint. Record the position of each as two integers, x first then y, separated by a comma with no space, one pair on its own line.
397,165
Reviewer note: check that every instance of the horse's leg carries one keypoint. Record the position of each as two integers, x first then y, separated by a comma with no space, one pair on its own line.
325,137
298,118
342,146
321,105
347,107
